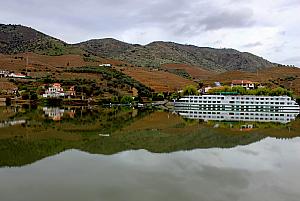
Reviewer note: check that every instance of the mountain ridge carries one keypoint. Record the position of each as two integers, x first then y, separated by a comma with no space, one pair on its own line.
17,39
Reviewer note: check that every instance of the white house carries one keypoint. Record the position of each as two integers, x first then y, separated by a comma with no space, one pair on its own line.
18,75
55,91
105,65
4,73
243,83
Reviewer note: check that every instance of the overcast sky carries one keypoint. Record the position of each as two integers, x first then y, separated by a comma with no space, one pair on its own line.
268,28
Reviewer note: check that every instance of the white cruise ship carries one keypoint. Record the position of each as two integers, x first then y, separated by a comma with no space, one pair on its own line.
281,109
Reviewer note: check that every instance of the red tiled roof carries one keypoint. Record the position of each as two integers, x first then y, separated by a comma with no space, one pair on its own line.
56,85
241,82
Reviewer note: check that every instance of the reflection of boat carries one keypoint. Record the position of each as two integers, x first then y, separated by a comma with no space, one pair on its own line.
238,108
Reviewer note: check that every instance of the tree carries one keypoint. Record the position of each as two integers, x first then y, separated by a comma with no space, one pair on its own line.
190,90
126,99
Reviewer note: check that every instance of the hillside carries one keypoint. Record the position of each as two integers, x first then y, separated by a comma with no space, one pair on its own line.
287,77
157,53
18,39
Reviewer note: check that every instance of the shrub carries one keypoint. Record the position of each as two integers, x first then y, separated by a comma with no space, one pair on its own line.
190,90
126,99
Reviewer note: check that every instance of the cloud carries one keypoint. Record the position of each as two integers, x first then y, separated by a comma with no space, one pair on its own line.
292,60
250,45
228,19
256,26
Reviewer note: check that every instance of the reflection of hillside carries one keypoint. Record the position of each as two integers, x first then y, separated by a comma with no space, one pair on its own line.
156,132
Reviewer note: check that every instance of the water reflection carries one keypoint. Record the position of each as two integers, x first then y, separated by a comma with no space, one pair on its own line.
237,114
207,175
48,131
148,155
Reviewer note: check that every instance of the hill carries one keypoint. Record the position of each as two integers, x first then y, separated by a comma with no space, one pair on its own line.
158,53
18,39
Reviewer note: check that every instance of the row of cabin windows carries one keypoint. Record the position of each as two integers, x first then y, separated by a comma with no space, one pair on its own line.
242,118
209,98
260,118
253,106
237,102
241,114
240,98
194,112
263,103
195,101
215,117
261,98
256,114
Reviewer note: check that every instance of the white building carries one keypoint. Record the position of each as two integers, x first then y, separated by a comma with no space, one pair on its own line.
105,65
4,73
18,75
55,91
243,83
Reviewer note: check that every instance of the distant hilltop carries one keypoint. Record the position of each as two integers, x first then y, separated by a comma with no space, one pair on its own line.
18,39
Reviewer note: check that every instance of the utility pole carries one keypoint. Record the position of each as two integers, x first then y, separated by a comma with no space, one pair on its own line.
26,65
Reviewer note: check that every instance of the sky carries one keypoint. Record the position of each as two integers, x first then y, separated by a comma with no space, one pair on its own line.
267,28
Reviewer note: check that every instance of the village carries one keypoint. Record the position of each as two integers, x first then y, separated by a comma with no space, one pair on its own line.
72,95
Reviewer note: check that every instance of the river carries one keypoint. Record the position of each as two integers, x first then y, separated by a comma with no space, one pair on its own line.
95,153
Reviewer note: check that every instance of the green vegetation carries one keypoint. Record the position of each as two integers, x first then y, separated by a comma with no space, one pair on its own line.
180,72
190,90
126,100
114,78
263,91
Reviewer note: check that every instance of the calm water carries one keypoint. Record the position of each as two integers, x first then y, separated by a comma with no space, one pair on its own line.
125,154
